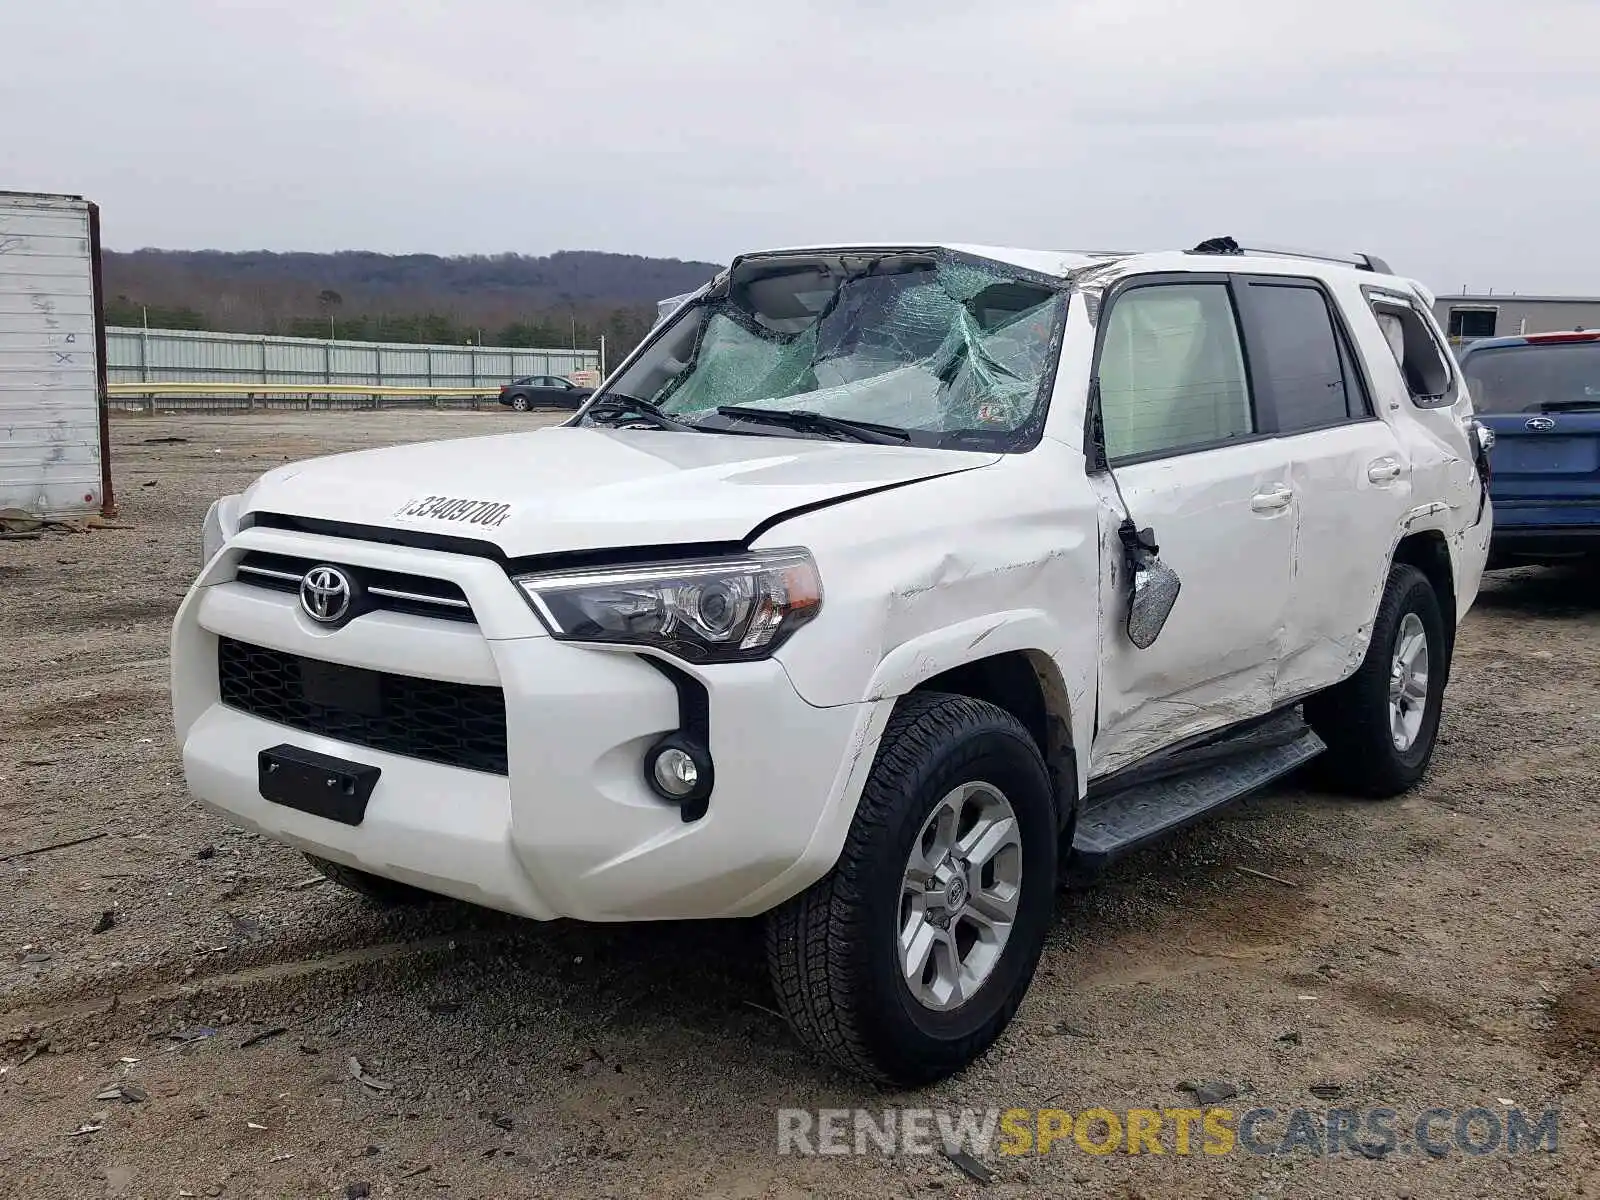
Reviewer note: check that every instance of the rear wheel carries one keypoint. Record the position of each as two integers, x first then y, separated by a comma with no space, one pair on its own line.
376,888
908,960
1381,723
521,403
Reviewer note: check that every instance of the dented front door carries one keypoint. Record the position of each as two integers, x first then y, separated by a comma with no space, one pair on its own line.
1224,520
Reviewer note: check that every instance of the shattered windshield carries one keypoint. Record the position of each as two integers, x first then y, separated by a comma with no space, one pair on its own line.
949,349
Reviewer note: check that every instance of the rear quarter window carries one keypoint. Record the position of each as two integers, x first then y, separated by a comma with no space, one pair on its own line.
1413,340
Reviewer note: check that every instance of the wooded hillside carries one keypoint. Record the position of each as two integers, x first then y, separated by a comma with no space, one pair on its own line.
560,299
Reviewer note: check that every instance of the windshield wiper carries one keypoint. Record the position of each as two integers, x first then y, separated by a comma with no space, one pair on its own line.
1569,405
804,419
620,404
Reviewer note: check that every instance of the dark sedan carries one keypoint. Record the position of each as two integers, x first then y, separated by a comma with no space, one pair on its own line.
543,391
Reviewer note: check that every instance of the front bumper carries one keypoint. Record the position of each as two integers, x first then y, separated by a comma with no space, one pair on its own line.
572,830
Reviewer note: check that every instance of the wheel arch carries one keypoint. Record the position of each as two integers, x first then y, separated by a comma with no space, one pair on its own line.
1428,551
1027,683
1011,658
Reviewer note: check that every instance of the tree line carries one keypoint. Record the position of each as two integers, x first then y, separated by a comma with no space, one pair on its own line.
571,298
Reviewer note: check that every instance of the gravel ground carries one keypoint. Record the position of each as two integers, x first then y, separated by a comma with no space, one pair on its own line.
1437,951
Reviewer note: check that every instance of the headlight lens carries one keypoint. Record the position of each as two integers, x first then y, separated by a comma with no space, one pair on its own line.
710,610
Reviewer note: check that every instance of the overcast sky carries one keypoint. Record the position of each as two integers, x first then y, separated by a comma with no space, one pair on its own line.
1457,139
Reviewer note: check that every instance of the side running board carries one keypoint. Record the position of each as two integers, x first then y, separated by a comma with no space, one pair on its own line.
1129,817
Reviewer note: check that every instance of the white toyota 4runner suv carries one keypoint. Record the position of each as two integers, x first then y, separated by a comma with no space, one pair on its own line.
880,591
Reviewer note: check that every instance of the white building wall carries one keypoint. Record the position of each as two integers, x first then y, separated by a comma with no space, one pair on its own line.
49,395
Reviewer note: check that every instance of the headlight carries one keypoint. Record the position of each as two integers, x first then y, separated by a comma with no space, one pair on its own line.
221,523
711,610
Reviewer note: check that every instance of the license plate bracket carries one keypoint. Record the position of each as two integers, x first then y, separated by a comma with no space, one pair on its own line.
319,784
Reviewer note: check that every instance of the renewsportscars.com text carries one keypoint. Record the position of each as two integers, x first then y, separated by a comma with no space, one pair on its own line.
1372,1133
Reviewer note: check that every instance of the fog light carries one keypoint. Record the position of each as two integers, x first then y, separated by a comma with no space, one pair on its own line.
675,772
678,769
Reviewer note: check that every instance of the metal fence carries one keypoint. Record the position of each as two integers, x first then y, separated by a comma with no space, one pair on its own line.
136,356
250,397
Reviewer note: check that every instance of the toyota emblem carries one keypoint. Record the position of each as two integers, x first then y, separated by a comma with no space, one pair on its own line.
1540,424
325,594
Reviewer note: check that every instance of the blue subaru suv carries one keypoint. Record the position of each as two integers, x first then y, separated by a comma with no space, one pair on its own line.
1540,394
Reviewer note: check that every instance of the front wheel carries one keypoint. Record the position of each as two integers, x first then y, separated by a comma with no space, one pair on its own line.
911,956
1381,723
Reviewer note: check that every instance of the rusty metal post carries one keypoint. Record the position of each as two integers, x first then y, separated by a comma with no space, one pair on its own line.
108,501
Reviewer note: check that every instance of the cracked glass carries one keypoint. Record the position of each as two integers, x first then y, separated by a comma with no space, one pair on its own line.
946,348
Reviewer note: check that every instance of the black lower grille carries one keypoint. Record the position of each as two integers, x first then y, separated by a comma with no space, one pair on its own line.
457,724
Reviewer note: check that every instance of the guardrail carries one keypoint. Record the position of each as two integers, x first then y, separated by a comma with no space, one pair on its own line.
140,355
187,396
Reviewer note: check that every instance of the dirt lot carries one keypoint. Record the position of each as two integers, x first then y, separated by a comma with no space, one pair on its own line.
1439,951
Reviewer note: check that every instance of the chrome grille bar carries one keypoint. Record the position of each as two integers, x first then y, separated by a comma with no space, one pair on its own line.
419,595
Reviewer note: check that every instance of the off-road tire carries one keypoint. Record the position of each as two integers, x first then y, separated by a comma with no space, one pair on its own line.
376,888
832,950
1353,717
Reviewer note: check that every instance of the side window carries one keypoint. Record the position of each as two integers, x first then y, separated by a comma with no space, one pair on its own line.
1301,360
1172,375
1422,360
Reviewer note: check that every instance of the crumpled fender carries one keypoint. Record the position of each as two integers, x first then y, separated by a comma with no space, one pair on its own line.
923,579
920,659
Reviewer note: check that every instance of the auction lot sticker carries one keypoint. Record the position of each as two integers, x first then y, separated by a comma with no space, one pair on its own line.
460,511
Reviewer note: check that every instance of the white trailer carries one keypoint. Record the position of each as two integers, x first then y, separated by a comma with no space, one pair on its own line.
54,443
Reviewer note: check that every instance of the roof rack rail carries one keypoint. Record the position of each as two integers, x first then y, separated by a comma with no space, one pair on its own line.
1227,245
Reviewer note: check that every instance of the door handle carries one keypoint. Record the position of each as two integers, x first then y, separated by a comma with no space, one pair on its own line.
1271,501
1383,470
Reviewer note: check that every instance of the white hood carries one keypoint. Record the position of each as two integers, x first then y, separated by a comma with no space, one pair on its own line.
582,488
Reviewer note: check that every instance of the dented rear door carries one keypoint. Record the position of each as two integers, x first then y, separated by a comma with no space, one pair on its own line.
1353,488
1350,476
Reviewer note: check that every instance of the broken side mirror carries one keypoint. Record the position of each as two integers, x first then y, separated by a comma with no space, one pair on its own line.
1154,590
